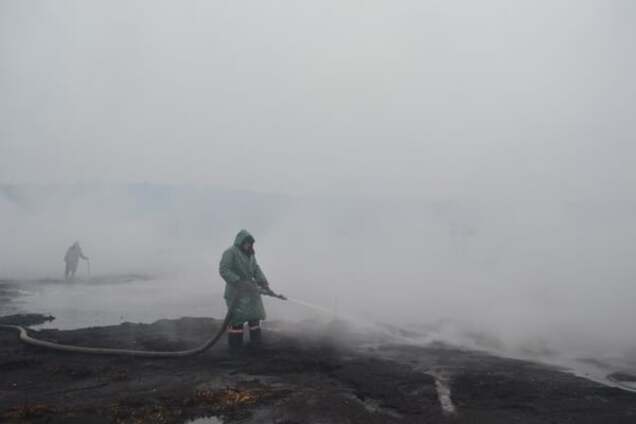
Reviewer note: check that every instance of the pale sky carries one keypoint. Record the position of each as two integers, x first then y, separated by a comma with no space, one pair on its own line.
385,97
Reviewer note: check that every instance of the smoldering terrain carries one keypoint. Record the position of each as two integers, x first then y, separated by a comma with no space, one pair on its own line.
437,352
530,275
443,190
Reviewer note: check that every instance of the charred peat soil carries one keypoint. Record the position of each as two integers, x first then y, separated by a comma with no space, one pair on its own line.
303,374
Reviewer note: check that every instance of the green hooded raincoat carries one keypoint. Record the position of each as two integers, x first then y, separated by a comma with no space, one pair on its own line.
237,266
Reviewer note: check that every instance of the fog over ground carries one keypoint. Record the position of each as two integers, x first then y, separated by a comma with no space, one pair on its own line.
409,161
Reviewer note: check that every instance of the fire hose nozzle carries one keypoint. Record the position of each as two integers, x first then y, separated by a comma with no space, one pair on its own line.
269,292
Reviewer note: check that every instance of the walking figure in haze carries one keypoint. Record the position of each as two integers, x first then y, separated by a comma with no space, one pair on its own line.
245,280
72,257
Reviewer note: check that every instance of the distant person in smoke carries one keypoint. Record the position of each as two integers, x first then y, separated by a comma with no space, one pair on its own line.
72,257
245,280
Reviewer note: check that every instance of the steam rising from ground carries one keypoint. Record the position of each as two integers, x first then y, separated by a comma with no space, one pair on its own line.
536,275
462,166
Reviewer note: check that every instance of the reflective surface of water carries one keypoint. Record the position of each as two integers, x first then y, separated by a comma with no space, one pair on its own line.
112,300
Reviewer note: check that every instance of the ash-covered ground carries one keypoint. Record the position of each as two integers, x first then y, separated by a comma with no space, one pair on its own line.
307,372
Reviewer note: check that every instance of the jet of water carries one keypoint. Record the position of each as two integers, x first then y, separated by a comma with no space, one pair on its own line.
312,306
360,322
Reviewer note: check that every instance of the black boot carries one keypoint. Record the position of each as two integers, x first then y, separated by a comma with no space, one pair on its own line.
255,335
235,338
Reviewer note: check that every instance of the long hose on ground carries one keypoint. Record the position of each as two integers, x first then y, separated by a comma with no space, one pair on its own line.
25,338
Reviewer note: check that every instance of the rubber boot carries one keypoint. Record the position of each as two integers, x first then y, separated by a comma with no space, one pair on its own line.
235,338
255,335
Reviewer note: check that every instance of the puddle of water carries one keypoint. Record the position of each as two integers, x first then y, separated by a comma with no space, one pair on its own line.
444,392
112,300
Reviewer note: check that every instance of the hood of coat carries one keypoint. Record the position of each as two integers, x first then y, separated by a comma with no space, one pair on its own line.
242,237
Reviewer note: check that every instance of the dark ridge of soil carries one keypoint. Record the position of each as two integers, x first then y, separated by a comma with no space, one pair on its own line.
623,376
299,376
25,320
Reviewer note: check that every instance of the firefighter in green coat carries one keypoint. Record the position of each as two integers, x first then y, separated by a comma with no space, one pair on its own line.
244,280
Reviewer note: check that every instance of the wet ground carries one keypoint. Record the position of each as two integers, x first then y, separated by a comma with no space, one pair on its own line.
307,372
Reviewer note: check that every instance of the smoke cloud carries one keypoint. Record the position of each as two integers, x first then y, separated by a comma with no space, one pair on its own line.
465,165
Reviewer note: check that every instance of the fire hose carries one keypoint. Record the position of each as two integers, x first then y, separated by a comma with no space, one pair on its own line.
24,337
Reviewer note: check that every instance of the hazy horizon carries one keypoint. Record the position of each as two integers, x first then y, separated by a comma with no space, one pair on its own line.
374,97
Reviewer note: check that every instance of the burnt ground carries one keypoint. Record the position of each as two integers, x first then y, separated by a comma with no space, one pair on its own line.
304,374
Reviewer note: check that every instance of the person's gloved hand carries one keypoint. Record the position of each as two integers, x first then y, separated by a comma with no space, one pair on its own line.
266,289
269,292
263,285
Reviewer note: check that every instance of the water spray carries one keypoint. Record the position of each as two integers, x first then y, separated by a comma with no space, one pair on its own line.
311,306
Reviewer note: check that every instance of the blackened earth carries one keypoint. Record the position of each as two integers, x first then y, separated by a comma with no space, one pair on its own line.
305,373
